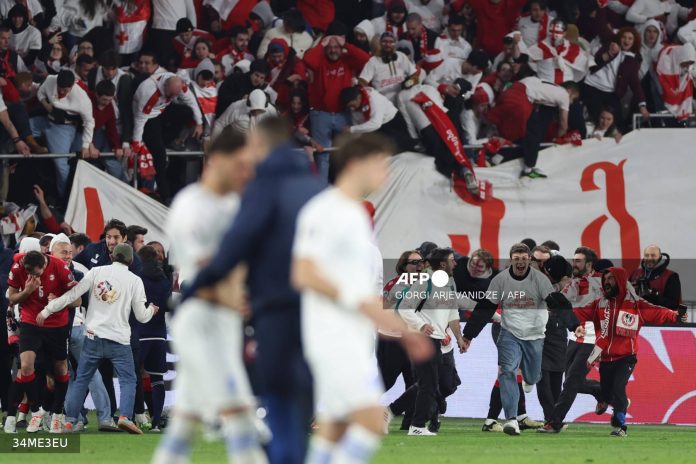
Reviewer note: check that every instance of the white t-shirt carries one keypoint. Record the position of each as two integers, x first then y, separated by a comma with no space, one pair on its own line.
546,93
431,13
25,41
381,112
458,49
197,221
334,232
386,78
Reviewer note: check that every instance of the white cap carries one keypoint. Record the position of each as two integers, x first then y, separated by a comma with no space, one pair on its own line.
258,100
29,244
60,238
243,65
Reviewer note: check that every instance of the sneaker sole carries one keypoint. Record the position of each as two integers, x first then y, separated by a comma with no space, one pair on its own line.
511,431
110,429
131,430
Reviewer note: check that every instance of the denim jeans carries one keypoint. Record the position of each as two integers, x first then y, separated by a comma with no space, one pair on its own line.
60,138
112,165
324,127
93,351
514,354
96,385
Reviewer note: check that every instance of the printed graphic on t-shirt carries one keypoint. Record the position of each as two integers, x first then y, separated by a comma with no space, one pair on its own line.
106,292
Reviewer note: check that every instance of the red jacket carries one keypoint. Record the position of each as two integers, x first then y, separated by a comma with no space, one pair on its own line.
618,321
493,21
511,101
332,77
317,13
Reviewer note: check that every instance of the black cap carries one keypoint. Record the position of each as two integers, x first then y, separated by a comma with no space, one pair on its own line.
184,25
557,267
65,78
602,265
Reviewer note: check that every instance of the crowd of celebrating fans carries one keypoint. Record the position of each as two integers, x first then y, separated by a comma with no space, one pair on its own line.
141,77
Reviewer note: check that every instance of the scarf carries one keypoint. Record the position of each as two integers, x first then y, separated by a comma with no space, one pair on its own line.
397,30
423,41
543,28
237,55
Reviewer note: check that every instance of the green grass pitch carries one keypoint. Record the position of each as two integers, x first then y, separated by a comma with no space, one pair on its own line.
460,441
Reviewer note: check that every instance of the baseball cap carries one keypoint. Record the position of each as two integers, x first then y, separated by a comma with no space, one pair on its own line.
125,251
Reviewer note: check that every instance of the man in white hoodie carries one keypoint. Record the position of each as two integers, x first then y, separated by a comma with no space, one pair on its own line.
114,292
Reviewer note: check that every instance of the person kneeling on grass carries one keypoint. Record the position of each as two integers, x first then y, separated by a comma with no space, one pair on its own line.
618,316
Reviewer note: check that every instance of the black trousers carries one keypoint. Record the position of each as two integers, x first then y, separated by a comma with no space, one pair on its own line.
427,376
397,131
393,361
537,125
576,380
596,100
613,378
548,390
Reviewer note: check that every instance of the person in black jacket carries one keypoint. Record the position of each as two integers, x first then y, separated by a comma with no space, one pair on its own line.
654,282
237,86
99,253
153,334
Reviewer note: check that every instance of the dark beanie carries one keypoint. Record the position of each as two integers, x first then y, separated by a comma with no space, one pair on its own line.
602,265
557,267
65,78
184,25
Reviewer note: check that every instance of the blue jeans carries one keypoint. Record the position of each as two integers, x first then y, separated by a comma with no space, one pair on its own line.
93,351
60,138
112,165
514,354
324,127
96,386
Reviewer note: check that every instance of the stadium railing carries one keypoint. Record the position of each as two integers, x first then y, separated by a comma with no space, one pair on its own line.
639,123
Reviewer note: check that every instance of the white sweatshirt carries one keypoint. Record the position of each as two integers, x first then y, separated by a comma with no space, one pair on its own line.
642,10
166,13
75,102
114,290
382,110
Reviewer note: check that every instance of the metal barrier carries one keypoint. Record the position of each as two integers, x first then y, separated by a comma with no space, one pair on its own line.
638,118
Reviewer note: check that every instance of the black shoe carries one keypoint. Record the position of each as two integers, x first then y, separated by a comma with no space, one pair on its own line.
619,432
434,426
442,405
549,428
405,424
22,424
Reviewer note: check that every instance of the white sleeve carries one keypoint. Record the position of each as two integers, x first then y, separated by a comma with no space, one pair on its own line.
308,236
142,313
687,33
368,72
407,308
377,111
470,128
142,95
634,13
263,46
71,295
3,107
87,120
34,42
617,7
42,93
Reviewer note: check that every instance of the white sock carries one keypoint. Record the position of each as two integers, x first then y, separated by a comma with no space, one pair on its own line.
357,446
241,440
489,421
175,446
320,450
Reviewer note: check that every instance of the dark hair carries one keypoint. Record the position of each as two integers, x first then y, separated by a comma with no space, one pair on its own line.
148,254
302,95
150,54
84,59
105,89
412,17
456,20
337,28
571,85
261,66
205,41
206,74
4,29
590,254
439,256
530,242
543,248
118,225
80,240
109,59
293,20
403,260
525,71
121,258
541,3
349,94
519,248
552,245
360,147
236,30
33,259
133,231
227,142
65,78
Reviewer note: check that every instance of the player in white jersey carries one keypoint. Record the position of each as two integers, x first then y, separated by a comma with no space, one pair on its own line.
207,329
332,262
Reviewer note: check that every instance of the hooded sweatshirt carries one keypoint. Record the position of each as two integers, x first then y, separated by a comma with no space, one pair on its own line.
26,39
618,320
649,54
664,284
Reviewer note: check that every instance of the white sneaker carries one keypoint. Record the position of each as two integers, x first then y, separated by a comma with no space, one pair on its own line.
79,427
527,388
10,424
511,427
35,422
420,432
56,424
388,416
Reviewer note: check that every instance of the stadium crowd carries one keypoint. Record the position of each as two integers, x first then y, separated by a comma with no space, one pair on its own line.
140,77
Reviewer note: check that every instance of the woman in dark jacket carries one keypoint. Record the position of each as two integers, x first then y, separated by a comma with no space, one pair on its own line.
616,71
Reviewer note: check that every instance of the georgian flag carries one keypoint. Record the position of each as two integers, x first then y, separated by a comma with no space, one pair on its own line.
129,29
677,85
207,100
232,12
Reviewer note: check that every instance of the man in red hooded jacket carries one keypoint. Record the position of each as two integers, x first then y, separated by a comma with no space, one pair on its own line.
618,317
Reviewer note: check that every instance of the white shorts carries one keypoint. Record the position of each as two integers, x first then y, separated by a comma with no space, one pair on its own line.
210,372
344,384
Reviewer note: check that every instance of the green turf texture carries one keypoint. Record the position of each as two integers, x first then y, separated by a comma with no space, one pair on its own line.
459,441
